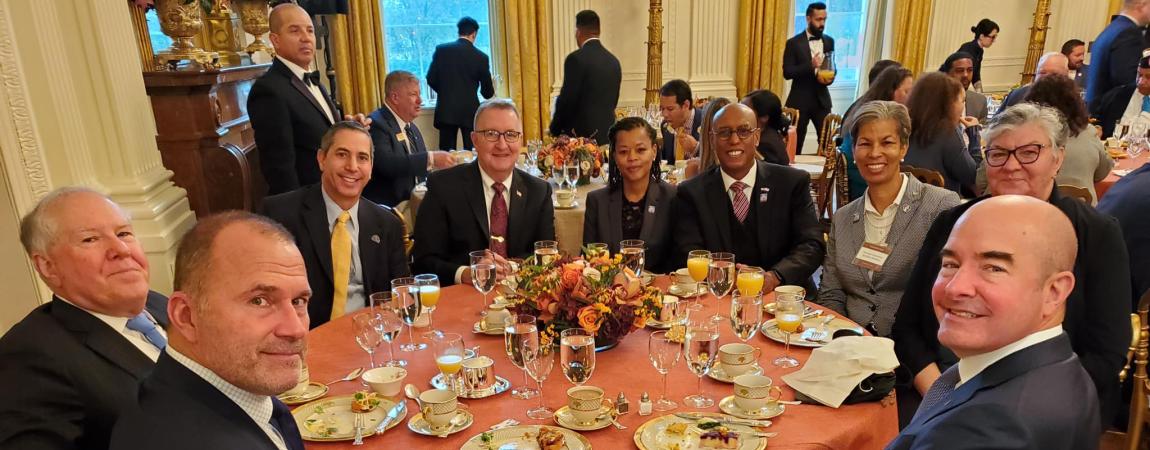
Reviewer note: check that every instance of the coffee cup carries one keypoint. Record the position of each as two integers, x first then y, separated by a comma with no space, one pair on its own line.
477,373
791,291
438,407
683,277
753,392
497,313
738,358
565,198
385,381
585,403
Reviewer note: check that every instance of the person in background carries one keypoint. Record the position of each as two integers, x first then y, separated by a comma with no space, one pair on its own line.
706,158
1052,63
772,145
1127,202
457,70
1127,104
1075,52
985,33
960,66
1115,52
893,84
802,57
681,122
936,138
591,78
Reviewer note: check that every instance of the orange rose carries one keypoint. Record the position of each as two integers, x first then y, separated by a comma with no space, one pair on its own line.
639,322
589,318
570,279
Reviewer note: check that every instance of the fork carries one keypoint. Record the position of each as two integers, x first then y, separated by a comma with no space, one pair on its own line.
820,334
359,425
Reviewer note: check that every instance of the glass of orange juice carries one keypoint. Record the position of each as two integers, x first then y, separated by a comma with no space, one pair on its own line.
427,286
788,317
750,280
698,264
449,356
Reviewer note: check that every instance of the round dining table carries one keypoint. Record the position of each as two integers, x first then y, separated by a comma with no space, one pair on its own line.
1121,168
333,352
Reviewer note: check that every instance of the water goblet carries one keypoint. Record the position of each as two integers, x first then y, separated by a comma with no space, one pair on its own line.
700,348
537,362
367,335
516,330
720,279
484,273
746,314
405,297
634,255
664,354
577,355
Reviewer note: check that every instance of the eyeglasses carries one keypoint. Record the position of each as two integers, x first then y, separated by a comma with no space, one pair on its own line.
510,136
743,133
1025,154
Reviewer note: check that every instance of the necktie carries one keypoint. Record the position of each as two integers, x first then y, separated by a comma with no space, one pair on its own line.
284,424
311,78
499,220
740,202
938,391
412,140
144,325
340,264
1146,104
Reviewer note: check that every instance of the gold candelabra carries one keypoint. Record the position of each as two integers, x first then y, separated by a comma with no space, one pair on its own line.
1037,40
654,53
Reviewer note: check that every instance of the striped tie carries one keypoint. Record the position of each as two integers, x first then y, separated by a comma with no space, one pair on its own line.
340,264
740,200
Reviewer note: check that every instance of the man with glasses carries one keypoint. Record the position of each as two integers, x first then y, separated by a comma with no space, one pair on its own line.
1024,152
1128,104
759,211
488,204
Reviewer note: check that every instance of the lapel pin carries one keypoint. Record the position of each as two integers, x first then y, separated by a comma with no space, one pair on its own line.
518,193
651,209
855,217
375,238
906,208
763,194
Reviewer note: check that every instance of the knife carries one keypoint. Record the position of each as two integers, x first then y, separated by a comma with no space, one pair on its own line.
396,412
725,419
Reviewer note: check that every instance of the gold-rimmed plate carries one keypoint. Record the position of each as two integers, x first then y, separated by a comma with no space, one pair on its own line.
718,374
728,405
523,437
653,435
314,390
770,329
331,419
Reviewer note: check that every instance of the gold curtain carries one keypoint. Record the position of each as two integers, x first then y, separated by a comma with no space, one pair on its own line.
521,47
763,26
358,56
911,28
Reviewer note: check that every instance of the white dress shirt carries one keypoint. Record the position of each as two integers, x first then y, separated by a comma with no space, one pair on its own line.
355,296
970,366
748,179
816,47
120,325
877,225
258,407
314,89
488,196
1133,111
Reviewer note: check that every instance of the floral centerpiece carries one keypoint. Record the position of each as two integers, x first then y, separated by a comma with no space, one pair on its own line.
554,157
597,294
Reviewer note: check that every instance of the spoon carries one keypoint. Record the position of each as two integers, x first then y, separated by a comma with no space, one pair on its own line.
413,393
453,424
350,376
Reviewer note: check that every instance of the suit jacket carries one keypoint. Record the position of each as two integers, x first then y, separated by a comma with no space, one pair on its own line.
603,222
668,151
946,155
1020,402
394,169
1114,58
71,376
789,234
846,288
457,70
1096,309
180,410
1110,108
382,256
590,93
288,123
1127,202
1080,76
1014,97
807,93
976,105
453,219
772,148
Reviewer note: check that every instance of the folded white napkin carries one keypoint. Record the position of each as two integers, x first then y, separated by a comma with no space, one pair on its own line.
833,371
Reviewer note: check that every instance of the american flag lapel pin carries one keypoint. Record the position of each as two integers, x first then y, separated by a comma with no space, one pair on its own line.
763,194
518,193
375,238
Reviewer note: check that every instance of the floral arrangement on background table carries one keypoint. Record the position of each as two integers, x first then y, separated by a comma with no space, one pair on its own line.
562,149
597,294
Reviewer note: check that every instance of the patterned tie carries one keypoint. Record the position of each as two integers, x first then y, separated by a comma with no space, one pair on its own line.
938,391
1146,104
499,220
412,140
144,325
740,201
340,264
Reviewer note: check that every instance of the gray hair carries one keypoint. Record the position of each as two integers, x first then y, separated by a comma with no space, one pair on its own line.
1049,119
194,255
349,125
881,110
38,228
504,104
397,78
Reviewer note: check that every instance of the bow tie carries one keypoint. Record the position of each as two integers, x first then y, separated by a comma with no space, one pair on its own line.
311,78
813,38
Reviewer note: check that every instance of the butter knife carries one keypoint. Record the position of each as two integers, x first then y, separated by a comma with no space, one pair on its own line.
396,412
725,419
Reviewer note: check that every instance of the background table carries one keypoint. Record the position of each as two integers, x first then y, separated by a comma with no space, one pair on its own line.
1126,164
333,353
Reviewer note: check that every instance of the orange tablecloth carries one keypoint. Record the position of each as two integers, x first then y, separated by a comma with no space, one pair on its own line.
1122,164
333,352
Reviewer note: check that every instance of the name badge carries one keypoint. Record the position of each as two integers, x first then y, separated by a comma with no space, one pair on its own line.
402,137
872,256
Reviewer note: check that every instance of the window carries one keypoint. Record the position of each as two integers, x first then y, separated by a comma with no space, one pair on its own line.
412,29
160,41
846,23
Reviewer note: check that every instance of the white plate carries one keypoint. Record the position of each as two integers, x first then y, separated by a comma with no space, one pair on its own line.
769,308
574,205
685,291
771,331
335,412
566,419
729,406
463,420
314,390
716,373
653,435
523,437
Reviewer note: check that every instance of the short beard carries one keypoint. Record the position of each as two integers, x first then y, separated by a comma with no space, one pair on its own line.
815,31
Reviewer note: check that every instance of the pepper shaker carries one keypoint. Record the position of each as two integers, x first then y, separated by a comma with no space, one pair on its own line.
645,406
621,404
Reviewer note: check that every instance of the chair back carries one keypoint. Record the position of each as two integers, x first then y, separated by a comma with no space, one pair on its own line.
842,184
791,114
1077,192
792,143
830,129
401,212
927,176
823,188
1134,438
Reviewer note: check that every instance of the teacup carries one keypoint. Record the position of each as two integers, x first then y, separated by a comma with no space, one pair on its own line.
585,403
477,373
791,290
497,313
683,277
565,198
438,407
753,392
385,381
301,384
738,358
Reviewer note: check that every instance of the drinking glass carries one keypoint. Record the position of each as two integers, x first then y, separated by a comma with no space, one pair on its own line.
750,280
367,336
389,324
405,297
746,314
634,255
449,357
577,355
698,263
516,330
428,289
788,316
571,172
700,347
537,362
664,354
546,252
596,249
483,274
720,279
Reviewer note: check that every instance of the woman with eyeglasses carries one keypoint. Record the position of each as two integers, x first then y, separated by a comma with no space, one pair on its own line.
940,140
985,33
636,204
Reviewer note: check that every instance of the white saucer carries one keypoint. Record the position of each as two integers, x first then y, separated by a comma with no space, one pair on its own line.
718,374
420,425
477,328
555,204
565,419
728,406
685,290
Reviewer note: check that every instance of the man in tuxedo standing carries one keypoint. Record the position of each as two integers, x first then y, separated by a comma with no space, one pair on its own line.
488,204
401,156
681,121
761,212
238,336
1075,52
1116,50
591,77
350,246
802,57
457,70
72,364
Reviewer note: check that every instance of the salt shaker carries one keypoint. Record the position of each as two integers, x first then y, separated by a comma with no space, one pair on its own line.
645,405
622,406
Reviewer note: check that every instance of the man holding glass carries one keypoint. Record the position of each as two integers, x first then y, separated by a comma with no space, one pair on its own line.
487,204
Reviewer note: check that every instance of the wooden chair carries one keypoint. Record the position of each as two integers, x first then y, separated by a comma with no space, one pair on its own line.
792,143
830,130
823,189
791,114
1077,192
842,184
1134,438
400,211
931,177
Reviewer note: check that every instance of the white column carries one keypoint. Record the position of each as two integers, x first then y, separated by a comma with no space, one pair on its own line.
713,31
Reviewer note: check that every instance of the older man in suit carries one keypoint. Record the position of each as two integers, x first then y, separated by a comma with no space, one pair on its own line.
238,335
72,364
1000,299
1128,103
351,246
1116,50
1052,63
960,66
488,204
759,211
802,57
591,77
681,121
457,70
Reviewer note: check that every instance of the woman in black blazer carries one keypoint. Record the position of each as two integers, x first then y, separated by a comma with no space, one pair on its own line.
636,204
985,33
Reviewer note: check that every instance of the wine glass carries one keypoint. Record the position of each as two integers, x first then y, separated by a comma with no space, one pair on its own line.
700,347
428,288
664,354
546,252
746,314
537,362
389,324
788,316
517,329
367,335
634,255
483,274
577,355
750,280
698,263
449,357
720,278
571,172
405,297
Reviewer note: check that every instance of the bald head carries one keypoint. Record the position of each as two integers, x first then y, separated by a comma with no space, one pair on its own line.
281,14
1037,225
737,111
736,136
1053,63
292,34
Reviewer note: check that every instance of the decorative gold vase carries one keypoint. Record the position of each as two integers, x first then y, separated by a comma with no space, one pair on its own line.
182,21
254,19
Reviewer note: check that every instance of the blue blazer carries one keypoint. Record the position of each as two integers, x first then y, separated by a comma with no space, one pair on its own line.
1114,60
1127,201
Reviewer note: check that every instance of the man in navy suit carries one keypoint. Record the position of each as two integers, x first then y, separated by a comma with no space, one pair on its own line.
1075,52
591,77
1116,51
1000,299
1125,103
1128,202
457,70
802,57
681,121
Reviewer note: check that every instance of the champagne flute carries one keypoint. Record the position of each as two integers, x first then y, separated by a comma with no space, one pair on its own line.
546,252
577,355
367,336
698,262
720,279
746,314
517,329
449,357
750,280
405,295
664,354
634,255
537,362
389,324
788,316
428,287
700,348
483,274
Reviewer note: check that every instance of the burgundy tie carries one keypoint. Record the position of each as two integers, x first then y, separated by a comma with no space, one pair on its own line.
499,220
740,201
